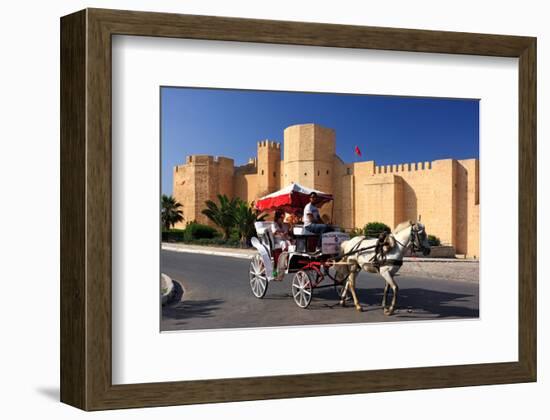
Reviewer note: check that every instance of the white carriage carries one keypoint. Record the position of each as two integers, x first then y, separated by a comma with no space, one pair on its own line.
309,258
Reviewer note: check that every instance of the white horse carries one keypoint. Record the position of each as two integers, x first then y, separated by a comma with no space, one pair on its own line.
359,253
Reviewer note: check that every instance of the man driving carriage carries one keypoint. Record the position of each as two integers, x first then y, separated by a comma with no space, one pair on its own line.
312,219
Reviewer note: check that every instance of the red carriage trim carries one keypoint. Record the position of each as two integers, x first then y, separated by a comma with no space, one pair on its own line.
291,199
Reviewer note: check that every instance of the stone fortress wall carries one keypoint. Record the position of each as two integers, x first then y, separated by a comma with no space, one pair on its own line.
444,193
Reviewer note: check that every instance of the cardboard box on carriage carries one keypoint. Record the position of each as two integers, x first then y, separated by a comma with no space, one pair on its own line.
330,242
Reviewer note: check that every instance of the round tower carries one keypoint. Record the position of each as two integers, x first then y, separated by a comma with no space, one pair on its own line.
309,152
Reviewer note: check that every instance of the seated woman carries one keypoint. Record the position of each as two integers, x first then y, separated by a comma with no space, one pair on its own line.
282,241
291,220
280,231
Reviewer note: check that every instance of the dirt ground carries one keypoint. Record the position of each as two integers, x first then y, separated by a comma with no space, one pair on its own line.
455,270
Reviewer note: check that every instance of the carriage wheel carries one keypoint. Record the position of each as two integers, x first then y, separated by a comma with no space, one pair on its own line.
258,277
302,289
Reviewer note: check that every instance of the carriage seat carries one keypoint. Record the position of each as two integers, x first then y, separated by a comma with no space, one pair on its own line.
265,235
263,227
300,230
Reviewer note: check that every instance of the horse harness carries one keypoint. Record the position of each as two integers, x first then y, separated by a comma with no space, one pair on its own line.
381,248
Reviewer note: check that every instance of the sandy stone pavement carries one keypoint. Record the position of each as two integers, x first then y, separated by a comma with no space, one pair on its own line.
462,271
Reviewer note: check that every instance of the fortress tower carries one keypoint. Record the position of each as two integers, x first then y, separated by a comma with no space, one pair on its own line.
309,155
201,178
269,163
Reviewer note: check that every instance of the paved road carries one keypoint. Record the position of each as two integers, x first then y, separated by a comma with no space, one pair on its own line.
217,295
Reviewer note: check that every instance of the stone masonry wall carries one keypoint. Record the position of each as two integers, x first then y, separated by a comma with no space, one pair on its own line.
443,193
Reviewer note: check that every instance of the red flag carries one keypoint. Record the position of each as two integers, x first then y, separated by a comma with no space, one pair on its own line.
357,151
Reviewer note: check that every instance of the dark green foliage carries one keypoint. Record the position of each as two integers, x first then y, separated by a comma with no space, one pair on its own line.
198,231
245,216
355,232
173,235
373,229
433,240
218,241
170,212
234,217
222,213
234,235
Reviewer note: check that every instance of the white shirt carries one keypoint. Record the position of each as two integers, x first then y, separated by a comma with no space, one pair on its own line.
310,208
278,236
276,229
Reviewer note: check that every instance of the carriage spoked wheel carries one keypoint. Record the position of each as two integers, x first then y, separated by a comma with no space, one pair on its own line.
302,290
258,277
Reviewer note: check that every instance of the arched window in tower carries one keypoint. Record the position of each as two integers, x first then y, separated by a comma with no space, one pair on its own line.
318,173
327,171
274,174
262,171
305,173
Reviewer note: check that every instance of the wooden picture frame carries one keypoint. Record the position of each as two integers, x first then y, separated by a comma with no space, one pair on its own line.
86,166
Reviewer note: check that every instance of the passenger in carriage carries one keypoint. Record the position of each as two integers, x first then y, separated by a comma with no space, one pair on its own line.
280,231
282,240
291,220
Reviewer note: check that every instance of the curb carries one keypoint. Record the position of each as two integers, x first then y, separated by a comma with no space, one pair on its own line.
241,255
247,256
440,260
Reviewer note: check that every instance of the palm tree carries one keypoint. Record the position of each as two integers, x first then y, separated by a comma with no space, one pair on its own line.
170,212
245,216
223,215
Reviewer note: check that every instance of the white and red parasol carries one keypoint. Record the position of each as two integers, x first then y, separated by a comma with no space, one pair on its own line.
291,199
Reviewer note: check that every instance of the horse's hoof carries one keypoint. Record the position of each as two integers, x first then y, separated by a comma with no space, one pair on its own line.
342,303
359,308
388,311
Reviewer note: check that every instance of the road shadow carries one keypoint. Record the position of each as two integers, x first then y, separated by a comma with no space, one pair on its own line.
192,309
414,302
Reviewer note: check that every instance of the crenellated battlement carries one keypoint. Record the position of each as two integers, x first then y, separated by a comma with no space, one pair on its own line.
269,144
250,167
208,160
403,167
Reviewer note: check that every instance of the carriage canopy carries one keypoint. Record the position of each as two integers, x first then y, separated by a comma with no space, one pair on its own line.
291,199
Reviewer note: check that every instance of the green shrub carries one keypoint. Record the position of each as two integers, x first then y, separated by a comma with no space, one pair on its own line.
197,231
433,240
173,235
218,241
373,229
355,232
235,235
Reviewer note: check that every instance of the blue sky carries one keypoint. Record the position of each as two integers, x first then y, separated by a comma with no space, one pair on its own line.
387,129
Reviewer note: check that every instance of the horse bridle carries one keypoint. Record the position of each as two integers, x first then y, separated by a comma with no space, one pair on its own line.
415,242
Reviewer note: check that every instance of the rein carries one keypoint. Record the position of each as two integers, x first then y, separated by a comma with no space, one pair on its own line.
379,260
357,251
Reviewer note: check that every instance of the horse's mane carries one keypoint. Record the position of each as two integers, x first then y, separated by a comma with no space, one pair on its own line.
403,225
